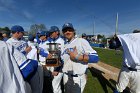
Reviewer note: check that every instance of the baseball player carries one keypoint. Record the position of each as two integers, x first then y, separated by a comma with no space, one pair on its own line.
15,40
84,36
130,72
1,37
36,39
76,56
22,46
15,69
37,81
43,47
33,53
43,54
56,72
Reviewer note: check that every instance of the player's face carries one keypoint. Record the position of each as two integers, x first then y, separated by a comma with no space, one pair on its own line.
43,37
20,34
54,34
69,33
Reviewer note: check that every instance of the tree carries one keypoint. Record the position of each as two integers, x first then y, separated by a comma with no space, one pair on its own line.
37,27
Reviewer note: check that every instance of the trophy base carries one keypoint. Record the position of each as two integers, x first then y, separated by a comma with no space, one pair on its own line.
53,62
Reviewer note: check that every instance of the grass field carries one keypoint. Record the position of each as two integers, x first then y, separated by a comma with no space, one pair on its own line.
96,83
109,56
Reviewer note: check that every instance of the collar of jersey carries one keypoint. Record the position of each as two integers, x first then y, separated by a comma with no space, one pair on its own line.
15,38
72,40
52,39
42,41
56,38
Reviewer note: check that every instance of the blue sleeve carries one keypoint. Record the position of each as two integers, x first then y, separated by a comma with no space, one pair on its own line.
38,41
93,58
28,68
42,53
50,39
24,52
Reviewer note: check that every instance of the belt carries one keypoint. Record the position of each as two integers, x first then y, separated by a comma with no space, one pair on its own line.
76,75
131,69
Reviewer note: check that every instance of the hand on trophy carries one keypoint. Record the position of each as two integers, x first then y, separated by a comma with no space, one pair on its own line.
55,73
49,56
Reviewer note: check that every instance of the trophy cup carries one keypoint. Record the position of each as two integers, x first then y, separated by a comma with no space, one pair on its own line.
55,51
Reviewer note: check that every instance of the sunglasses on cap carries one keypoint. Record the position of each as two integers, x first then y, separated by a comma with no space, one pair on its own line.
65,30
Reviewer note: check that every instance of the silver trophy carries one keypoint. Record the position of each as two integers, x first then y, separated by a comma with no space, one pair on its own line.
53,49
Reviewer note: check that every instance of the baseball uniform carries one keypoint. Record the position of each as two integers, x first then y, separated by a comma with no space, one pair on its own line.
14,70
75,72
130,72
56,82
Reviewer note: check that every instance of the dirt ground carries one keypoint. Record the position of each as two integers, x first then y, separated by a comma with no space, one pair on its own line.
109,72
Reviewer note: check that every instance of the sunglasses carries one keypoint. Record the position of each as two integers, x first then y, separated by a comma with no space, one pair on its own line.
70,30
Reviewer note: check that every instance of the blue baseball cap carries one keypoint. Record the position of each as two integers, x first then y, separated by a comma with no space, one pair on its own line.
84,35
17,28
38,32
47,34
54,29
67,26
42,33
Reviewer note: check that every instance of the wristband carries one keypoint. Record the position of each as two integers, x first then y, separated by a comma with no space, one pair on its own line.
77,57
83,57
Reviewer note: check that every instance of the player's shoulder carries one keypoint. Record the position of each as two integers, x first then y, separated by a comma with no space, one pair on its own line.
60,38
46,42
11,39
82,40
2,44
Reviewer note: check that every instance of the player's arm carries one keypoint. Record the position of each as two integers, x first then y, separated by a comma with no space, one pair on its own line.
27,67
27,50
89,55
90,58
44,53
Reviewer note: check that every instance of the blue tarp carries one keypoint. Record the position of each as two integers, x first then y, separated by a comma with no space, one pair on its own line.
96,45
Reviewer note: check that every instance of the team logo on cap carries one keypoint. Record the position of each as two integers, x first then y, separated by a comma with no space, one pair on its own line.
67,24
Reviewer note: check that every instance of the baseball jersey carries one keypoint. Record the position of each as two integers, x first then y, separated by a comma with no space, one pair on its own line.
18,44
33,53
11,80
44,47
82,47
130,44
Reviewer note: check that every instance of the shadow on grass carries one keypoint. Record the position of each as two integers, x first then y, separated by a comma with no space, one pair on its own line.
104,82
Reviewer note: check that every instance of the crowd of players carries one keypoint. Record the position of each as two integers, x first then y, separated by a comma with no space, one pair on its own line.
30,59
23,69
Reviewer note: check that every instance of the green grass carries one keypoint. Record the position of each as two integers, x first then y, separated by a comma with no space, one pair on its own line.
94,86
94,81
110,57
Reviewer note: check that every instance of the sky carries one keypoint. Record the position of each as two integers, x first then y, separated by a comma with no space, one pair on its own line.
87,16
